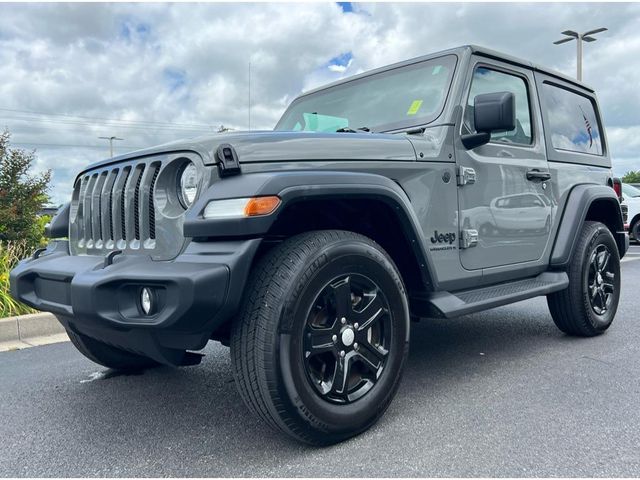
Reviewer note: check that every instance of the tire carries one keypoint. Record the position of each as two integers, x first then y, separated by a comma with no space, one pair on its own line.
635,231
588,305
109,356
289,344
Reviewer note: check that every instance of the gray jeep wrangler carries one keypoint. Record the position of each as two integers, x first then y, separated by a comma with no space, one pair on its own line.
435,187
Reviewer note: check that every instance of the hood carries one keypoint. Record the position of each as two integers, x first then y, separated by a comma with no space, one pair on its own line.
270,146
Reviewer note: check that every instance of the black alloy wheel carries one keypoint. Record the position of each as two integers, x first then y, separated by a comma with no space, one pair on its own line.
600,279
347,338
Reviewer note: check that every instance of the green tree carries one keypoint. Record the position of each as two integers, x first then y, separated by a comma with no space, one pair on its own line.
631,177
22,195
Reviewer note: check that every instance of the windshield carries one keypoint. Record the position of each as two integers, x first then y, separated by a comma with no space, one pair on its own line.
400,98
630,191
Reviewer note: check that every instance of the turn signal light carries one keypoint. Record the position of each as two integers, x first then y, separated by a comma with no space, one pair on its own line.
261,206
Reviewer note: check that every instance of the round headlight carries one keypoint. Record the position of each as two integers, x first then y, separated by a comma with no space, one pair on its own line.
188,184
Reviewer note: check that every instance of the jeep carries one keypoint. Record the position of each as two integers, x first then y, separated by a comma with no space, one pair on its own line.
435,187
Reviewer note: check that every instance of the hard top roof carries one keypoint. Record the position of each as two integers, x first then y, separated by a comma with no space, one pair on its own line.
486,52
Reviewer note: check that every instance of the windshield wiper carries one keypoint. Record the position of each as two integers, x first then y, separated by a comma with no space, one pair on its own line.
351,130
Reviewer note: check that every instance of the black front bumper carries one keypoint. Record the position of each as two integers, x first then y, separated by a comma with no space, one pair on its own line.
194,294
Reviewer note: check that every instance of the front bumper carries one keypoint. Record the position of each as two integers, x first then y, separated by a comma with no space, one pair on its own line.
195,293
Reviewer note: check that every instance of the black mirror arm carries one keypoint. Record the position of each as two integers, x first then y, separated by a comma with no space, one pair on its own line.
473,140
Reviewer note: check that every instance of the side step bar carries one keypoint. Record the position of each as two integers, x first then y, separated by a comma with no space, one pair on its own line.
454,304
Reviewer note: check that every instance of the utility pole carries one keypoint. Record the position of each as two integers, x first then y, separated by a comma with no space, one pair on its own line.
579,38
249,95
111,139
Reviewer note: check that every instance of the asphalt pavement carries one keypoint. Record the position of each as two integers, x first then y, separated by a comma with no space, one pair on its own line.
500,393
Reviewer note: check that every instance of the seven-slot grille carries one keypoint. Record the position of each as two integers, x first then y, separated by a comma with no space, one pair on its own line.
113,208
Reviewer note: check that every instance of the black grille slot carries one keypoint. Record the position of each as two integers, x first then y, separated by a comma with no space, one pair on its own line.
111,221
152,209
136,205
96,207
123,203
87,210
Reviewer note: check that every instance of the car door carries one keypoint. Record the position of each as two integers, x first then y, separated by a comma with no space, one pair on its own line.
504,204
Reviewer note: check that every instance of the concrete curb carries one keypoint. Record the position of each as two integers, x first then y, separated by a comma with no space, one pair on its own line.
30,330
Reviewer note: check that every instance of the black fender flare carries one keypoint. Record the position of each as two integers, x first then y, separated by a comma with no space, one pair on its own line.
580,199
297,186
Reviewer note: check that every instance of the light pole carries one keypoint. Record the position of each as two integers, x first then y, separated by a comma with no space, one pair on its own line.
579,37
111,139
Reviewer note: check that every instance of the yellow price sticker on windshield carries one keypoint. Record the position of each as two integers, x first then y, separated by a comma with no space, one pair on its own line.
415,106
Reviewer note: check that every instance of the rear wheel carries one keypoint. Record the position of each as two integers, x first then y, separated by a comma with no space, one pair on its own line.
635,231
589,304
320,345
109,356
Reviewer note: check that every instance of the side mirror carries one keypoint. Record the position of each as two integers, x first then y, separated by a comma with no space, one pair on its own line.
492,112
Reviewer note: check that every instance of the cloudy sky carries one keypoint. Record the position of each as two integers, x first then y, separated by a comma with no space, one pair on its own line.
152,73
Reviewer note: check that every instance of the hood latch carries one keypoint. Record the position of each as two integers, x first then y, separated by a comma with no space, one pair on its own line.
228,163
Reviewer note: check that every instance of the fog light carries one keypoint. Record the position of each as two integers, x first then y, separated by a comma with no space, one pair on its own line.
146,301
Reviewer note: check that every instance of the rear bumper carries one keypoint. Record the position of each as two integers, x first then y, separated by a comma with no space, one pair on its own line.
194,294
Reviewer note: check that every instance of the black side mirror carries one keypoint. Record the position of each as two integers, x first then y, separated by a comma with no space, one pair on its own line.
492,112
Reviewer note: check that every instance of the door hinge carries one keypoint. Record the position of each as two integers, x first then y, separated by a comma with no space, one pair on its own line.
468,238
466,176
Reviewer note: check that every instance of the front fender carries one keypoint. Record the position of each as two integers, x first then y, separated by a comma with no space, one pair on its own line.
294,187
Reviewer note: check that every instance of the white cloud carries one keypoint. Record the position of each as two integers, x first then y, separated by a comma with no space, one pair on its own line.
188,64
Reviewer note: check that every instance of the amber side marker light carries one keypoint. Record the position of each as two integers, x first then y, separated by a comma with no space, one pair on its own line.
241,207
261,206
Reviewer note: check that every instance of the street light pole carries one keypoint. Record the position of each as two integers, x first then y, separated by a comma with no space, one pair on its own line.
111,139
579,38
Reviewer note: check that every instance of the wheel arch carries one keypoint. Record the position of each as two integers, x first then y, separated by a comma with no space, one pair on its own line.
373,216
588,202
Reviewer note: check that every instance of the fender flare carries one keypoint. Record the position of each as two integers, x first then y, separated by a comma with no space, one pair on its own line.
294,187
580,199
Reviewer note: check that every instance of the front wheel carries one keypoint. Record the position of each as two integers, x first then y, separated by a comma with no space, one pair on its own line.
589,304
321,341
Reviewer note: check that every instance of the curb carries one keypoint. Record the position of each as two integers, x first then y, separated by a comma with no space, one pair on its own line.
30,330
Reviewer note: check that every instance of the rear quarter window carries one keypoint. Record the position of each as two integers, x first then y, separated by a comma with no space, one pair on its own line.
572,122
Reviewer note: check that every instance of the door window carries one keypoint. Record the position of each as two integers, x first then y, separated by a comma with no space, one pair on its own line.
486,80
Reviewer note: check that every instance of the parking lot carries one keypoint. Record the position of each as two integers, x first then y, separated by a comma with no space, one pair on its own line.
500,393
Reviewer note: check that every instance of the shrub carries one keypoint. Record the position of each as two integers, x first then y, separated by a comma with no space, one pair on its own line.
22,194
631,177
10,254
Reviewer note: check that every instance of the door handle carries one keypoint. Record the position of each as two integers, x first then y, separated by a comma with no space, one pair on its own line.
537,175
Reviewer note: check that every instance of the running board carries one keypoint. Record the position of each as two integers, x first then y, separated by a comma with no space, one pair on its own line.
449,305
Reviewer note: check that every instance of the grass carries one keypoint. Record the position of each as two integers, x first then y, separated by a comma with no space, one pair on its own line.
10,254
